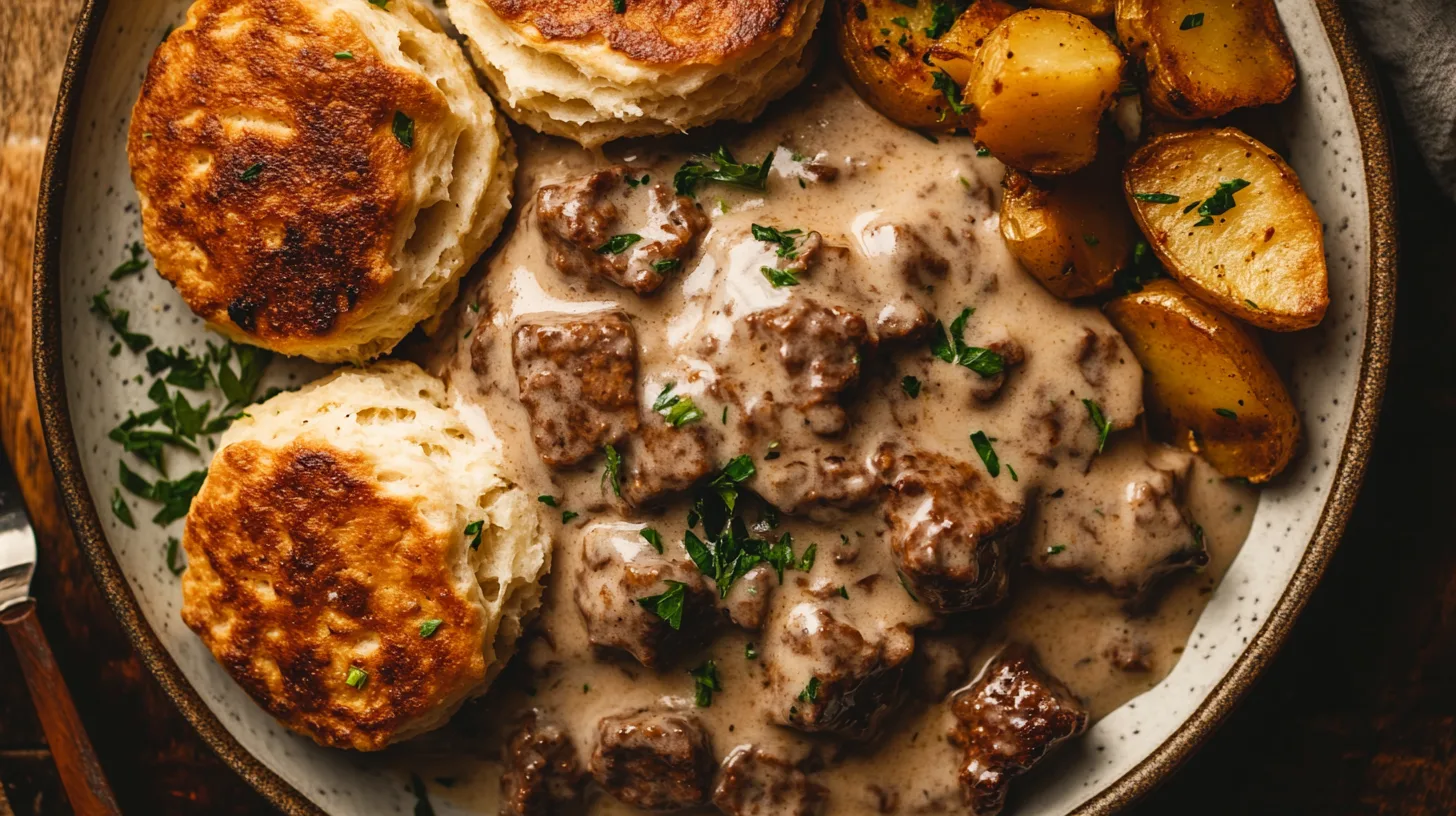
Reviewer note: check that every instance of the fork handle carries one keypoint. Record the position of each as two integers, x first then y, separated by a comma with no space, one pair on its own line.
81,773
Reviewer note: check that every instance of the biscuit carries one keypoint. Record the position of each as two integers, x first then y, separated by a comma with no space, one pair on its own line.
335,565
578,69
315,175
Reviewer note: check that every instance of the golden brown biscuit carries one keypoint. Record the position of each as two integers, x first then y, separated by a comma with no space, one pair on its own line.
316,175
335,565
581,70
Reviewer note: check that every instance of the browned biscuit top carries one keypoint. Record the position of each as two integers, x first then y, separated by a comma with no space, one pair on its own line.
264,148
301,568
658,32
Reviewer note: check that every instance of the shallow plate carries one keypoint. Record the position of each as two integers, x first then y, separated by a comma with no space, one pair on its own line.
88,214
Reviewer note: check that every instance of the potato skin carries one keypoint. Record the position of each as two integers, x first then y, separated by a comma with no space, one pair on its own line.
1072,233
1263,260
1208,385
886,61
1236,57
1086,8
1039,86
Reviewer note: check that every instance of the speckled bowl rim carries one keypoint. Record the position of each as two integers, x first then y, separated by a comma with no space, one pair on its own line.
65,458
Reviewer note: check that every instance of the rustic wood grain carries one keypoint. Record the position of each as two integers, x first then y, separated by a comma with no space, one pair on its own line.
1357,715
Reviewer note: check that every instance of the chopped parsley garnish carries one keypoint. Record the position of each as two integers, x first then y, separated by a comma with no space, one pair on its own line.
899,21
983,152
175,496
785,240
982,443
428,627
344,55
176,564
251,174
1156,198
357,677
119,320
728,171
943,15
1220,202
135,264
705,682
651,536
946,84
1012,471
473,531
1053,550
750,652
905,585
806,562
634,182
1099,421
613,471
810,693
668,605
1252,305
952,347
548,500
1090,240
404,127
119,507
663,265
619,6
677,410
567,516
1225,413
1191,21
1144,268
911,386
618,244
843,592
779,278
384,4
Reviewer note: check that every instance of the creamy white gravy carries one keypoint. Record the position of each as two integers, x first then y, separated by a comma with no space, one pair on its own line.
886,176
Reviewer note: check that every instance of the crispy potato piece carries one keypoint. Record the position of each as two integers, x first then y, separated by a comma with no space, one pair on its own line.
1039,87
1086,8
1208,386
1235,56
1072,233
885,43
1262,260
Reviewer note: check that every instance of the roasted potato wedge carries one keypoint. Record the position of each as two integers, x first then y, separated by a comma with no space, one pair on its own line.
1208,385
888,49
1086,8
1039,86
1205,58
1228,218
1072,233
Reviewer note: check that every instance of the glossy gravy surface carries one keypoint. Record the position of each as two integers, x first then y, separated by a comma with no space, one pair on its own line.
886,182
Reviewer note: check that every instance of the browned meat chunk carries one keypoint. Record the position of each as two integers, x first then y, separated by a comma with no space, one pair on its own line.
620,568
542,775
1129,538
654,760
578,381
582,224
941,665
663,461
828,676
1098,353
748,600
804,481
1006,722
819,348
1130,655
756,783
949,532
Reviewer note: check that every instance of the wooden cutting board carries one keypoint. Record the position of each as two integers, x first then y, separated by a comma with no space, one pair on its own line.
1357,715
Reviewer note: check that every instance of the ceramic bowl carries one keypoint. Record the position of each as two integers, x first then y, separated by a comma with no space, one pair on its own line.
88,214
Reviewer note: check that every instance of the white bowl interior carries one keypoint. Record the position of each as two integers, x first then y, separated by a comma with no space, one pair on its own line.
101,218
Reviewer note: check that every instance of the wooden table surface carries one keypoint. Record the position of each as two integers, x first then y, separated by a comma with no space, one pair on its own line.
1356,715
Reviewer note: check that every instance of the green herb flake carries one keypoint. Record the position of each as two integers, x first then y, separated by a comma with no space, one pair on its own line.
1090,240
404,127
1225,413
946,84
357,677
1221,201
943,15
120,508
983,152
727,171
567,516
779,278
750,651
705,682
131,266
1099,421
548,500
806,561
843,592
664,265
1156,198
428,627
1012,471
784,241
911,386
120,320
668,605
618,244
982,444
810,694
951,347
251,174
1191,21
473,531
344,55
1054,550
612,473
176,564
619,6
905,585
651,536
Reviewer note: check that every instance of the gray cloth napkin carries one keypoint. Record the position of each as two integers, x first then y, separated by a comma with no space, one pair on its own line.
1414,42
